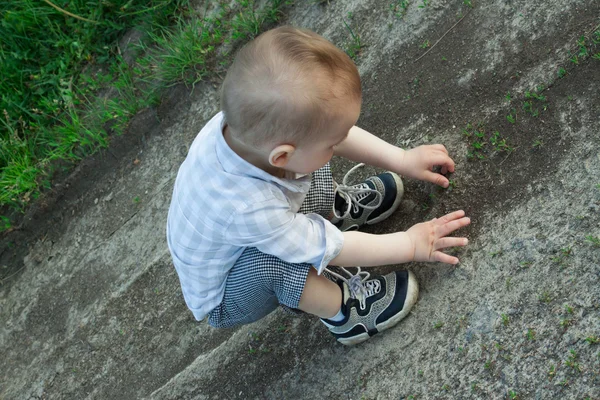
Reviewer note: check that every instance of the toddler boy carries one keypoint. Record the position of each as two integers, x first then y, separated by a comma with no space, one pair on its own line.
256,217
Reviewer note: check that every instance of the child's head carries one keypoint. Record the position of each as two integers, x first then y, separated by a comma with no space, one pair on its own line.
292,87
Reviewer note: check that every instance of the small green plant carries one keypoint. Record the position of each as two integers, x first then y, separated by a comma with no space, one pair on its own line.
508,280
566,322
474,387
355,46
574,59
525,264
545,297
572,361
594,240
136,199
445,387
561,72
593,339
4,223
530,334
399,8
596,56
583,50
425,44
528,107
511,118
508,97
505,319
496,253
568,309
551,372
438,324
499,143
561,258
468,3
420,372
537,143
534,95
424,4
513,395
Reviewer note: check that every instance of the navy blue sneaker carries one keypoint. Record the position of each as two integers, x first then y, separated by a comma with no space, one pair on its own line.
368,203
372,304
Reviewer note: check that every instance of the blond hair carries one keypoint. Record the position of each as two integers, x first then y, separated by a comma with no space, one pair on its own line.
284,86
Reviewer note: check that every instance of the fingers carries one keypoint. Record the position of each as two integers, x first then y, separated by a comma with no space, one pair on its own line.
448,228
439,158
450,242
443,159
450,217
445,258
438,179
440,147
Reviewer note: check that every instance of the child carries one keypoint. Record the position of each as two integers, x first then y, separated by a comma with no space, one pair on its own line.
256,217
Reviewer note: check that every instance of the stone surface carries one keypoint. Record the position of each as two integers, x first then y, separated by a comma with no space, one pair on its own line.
92,306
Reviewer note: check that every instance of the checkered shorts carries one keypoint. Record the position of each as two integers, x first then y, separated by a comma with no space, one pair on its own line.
258,283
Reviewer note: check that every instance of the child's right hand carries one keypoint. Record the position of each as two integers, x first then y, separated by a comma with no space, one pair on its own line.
428,238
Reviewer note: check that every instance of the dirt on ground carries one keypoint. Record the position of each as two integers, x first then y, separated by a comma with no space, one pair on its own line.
91,306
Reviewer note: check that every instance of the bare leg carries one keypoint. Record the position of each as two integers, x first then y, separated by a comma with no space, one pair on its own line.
321,297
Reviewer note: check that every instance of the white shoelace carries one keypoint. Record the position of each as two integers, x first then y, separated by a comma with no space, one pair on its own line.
359,285
354,194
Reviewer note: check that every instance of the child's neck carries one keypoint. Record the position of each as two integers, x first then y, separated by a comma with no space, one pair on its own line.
251,155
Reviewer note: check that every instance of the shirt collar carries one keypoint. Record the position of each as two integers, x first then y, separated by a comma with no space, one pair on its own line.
234,164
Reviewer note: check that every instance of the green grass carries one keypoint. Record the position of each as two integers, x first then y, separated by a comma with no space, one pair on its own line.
354,48
399,8
53,66
42,54
592,339
545,297
572,362
594,240
479,138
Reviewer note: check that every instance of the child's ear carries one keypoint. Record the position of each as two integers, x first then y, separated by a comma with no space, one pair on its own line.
280,155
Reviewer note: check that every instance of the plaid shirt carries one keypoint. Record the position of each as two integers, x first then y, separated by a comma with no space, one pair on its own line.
222,204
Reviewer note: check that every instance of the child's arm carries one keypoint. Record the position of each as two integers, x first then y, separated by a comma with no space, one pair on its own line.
422,242
361,146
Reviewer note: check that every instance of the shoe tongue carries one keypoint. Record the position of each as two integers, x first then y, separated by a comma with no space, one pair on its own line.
345,297
341,205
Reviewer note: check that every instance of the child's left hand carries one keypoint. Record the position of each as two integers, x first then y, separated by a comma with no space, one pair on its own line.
418,163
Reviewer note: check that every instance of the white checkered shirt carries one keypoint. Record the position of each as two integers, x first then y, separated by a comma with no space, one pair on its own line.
222,204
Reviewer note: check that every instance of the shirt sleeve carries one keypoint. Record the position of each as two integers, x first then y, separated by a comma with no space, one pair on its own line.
274,229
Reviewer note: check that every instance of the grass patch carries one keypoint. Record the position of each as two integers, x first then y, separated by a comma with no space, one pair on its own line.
43,52
54,63
354,48
484,144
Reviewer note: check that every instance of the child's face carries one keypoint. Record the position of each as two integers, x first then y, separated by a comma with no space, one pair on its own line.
311,156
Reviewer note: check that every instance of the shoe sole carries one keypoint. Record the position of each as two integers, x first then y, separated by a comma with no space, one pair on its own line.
412,295
394,207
